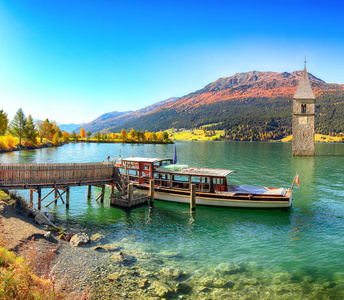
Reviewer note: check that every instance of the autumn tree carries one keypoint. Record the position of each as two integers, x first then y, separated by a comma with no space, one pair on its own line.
159,135
124,134
132,133
148,136
66,136
47,129
56,139
82,132
18,125
31,131
3,122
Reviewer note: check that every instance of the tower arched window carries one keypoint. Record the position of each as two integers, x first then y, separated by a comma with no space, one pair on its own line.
303,108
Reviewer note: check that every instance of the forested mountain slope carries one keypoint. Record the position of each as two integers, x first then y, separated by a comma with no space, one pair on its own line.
249,106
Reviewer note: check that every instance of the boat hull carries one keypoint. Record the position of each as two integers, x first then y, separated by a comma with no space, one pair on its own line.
208,199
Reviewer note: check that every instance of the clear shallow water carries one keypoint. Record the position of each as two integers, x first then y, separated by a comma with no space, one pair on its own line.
307,241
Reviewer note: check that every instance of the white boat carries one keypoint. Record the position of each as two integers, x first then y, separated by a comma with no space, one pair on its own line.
172,182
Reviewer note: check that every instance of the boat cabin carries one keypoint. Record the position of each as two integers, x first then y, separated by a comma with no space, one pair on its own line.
174,176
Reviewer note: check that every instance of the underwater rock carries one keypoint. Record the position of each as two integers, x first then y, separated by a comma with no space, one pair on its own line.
113,277
229,269
171,272
142,283
183,288
106,247
96,237
122,258
79,239
162,289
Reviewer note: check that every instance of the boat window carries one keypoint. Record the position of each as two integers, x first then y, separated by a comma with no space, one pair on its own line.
180,182
162,179
219,183
133,175
132,165
202,183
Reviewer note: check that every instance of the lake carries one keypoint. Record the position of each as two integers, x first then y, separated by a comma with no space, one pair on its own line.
266,254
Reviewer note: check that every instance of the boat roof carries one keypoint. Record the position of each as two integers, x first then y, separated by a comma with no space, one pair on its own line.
145,159
181,169
204,172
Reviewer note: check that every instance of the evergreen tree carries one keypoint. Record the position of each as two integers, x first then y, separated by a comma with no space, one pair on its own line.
18,125
3,122
30,131
88,134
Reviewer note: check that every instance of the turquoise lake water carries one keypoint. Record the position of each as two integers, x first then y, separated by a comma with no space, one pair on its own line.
302,249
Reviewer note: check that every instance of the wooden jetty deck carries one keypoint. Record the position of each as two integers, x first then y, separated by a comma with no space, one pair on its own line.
61,177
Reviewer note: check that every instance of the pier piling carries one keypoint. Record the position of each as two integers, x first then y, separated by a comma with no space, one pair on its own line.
193,198
89,191
151,191
39,193
67,196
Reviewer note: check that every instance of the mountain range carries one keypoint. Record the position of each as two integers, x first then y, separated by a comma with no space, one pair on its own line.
249,106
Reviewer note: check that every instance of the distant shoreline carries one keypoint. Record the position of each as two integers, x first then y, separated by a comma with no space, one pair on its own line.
124,142
46,145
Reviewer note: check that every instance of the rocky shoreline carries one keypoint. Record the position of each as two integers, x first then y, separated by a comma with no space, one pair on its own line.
116,271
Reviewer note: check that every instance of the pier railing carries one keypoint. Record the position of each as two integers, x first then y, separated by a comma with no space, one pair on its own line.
25,176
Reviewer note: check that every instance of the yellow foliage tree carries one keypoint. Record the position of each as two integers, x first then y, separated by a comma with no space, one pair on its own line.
82,132
148,136
159,135
124,134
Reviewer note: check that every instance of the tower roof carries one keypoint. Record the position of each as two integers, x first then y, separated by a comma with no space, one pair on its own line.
304,89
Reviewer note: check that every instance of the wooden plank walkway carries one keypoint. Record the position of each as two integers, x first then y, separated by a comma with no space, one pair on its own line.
60,177
33,176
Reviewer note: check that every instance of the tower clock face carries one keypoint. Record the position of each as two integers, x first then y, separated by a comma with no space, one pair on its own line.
303,120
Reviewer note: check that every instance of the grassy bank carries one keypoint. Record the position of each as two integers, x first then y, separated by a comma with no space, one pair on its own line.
319,138
195,135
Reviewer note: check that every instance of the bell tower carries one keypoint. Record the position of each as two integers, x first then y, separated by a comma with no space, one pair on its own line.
303,117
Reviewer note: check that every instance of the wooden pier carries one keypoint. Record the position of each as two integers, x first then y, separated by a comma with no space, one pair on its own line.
61,177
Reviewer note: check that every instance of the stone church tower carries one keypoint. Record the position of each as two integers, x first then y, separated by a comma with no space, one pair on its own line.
303,117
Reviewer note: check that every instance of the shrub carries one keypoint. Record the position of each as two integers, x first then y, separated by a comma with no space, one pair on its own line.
7,142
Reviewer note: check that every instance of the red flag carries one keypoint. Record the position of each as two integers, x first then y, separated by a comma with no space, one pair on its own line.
297,179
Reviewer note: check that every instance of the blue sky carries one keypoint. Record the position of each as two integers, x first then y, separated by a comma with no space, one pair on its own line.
72,61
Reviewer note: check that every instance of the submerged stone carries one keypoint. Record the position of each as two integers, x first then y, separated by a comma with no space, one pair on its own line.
79,239
171,272
96,237
162,289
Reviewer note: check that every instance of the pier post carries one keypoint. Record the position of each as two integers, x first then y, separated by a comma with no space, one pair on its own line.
39,193
130,194
89,191
102,194
31,198
112,189
151,191
193,198
67,196
55,195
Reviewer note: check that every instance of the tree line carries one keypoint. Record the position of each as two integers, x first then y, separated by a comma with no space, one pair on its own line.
30,133
124,136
